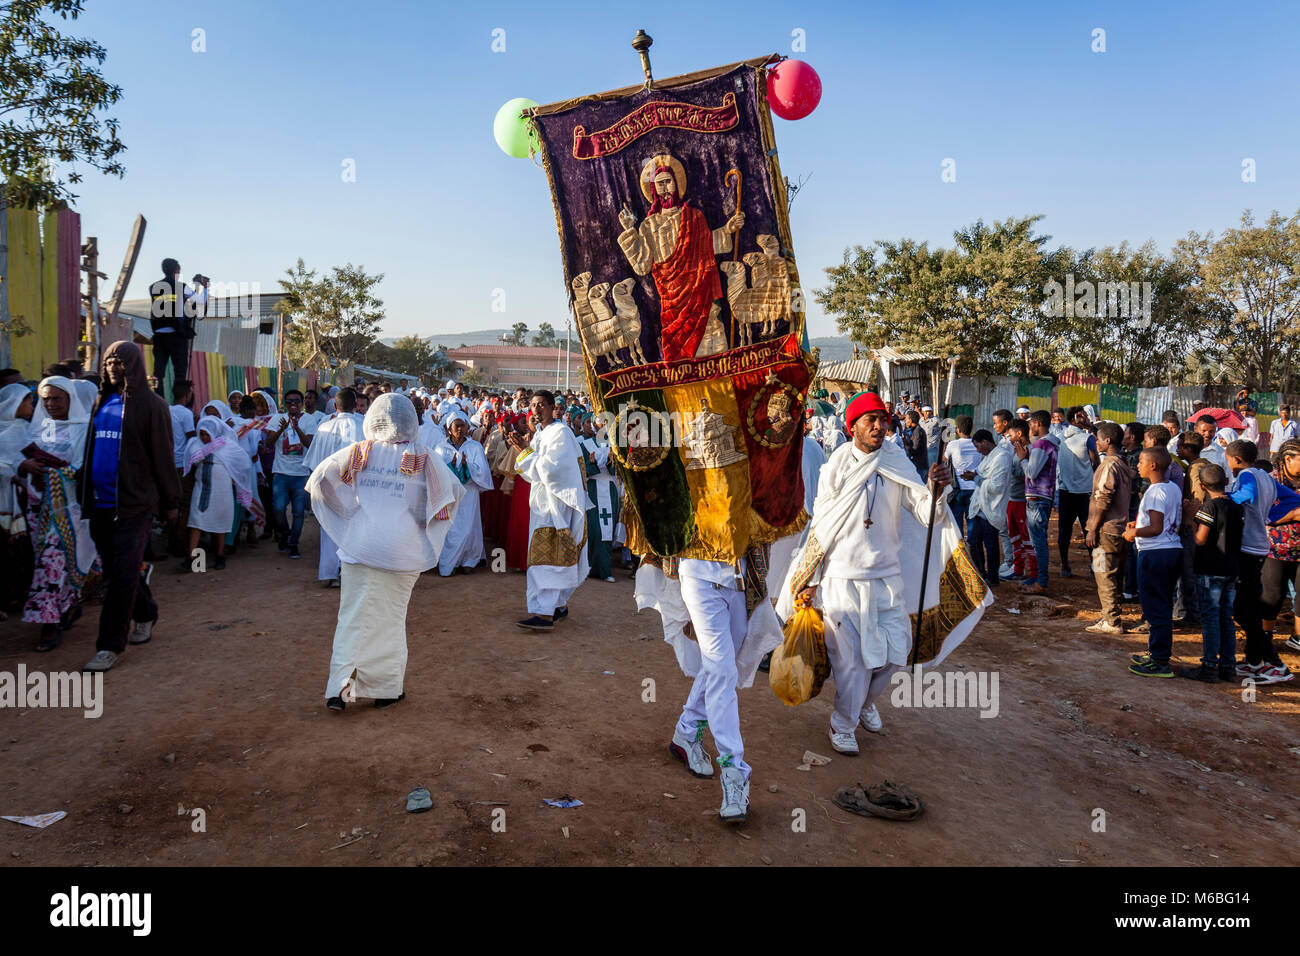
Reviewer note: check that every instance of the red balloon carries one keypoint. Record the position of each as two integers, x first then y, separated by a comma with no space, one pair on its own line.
793,89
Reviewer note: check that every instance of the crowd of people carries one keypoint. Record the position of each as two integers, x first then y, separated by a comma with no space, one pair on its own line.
235,472
1190,521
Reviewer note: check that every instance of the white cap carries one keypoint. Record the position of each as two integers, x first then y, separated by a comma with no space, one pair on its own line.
926,408
1022,408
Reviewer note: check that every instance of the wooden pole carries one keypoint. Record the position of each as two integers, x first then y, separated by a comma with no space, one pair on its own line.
90,268
925,567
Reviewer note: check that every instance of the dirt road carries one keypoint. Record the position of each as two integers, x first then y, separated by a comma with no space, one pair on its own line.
223,712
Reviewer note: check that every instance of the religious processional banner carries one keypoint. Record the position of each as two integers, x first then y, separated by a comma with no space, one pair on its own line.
675,236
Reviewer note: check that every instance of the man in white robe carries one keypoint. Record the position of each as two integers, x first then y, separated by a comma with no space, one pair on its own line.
862,561
557,522
333,435
603,491
388,502
466,460
832,433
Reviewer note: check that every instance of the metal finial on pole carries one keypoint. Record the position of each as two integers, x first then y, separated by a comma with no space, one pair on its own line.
641,43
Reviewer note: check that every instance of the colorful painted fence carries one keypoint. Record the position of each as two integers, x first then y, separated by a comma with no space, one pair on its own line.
1036,393
213,378
40,310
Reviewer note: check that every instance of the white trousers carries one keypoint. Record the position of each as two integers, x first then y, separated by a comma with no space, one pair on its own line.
718,615
545,600
868,637
370,639
328,569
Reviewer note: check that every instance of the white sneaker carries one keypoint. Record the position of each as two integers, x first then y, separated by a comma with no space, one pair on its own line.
1274,674
844,744
1105,627
735,796
692,752
870,719
102,661
143,632
1293,642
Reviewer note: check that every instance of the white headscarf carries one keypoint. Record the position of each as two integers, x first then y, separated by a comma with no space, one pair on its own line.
391,418
66,439
224,447
224,412
14,432
89,393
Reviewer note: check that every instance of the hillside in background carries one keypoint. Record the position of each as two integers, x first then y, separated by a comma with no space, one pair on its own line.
454,340
833,348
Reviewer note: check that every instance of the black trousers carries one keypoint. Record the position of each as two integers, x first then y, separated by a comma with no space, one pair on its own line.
1074,507
127,597
1274,578
1247,611
173,347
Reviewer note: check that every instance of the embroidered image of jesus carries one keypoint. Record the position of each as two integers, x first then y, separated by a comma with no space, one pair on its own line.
675,245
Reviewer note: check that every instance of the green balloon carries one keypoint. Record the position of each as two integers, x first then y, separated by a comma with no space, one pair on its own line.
514,134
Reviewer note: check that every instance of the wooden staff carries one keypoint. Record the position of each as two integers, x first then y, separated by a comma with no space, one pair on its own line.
726,181
925,567
735,239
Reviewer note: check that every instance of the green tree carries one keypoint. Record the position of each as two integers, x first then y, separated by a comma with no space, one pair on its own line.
335,317
978,301
52,97
413,354
1251,276
520,332
1137,316
545,336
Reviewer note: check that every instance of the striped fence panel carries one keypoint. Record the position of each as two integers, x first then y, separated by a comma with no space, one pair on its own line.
1034,392
25,300
69,281
1070,395
1119,403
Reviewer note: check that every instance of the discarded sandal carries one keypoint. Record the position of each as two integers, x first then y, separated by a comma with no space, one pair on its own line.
888,800
419,800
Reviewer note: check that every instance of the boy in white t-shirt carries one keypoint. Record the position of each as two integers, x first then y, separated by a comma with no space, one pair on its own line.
964,458
1160,560
290,434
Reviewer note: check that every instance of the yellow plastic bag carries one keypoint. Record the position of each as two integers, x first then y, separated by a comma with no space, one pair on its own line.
800,665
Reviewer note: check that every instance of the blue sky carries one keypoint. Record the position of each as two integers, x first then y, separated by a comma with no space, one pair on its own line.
235,154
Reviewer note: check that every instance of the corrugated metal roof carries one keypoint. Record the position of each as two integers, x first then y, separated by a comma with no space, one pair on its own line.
887,354
238,339
850,370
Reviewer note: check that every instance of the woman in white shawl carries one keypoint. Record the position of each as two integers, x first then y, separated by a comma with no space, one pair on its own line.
341,430
247,443
223,475
17,405
60,538
466,460
388,502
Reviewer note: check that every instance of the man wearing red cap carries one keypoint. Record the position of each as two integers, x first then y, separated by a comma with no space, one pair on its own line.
852,565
